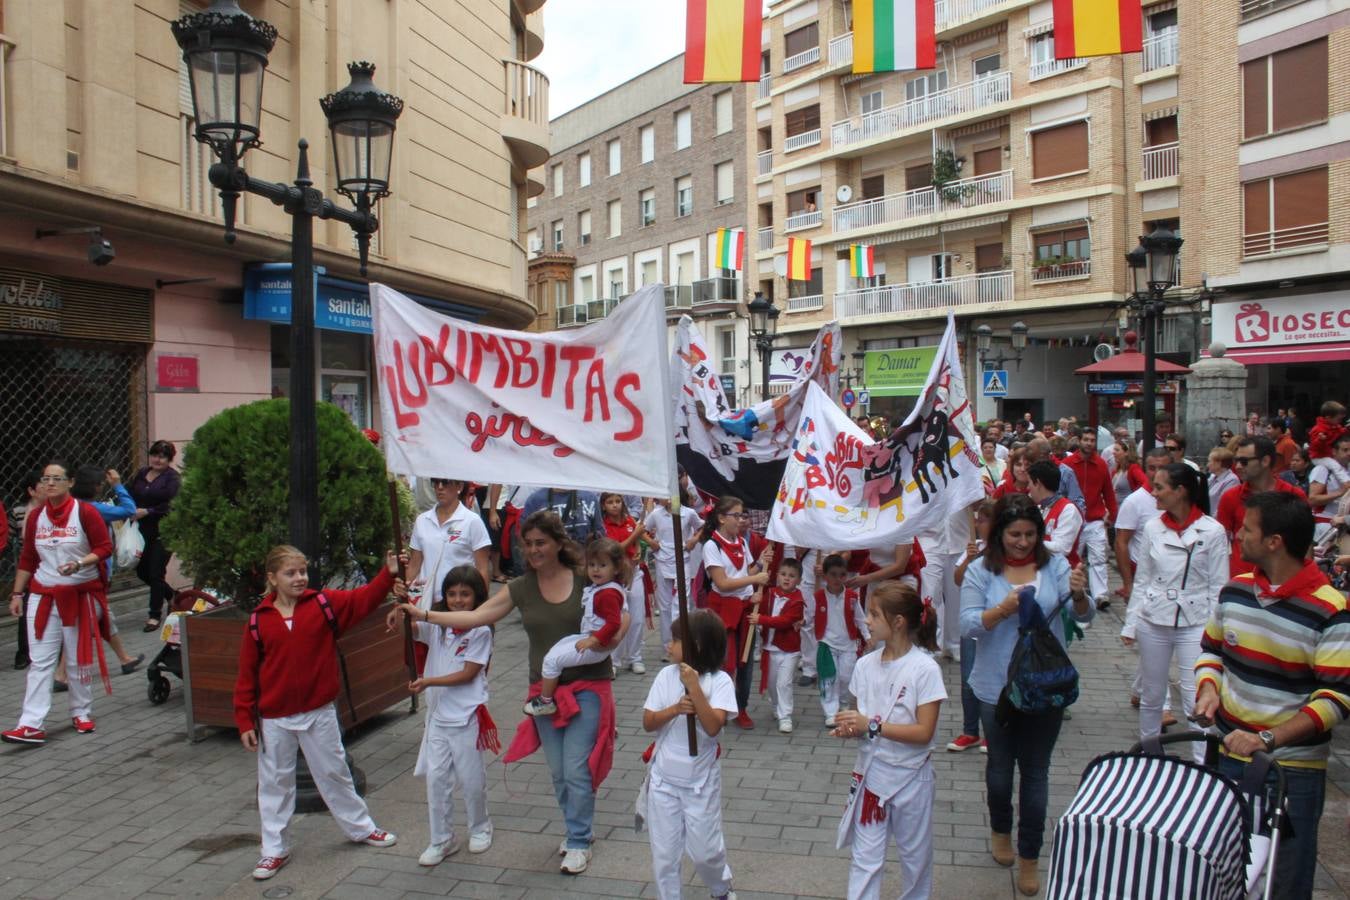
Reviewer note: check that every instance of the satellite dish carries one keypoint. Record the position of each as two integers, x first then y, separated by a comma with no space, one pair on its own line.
844,194
780,265
1103,352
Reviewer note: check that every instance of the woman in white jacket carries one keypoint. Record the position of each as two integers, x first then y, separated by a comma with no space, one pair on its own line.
1182,566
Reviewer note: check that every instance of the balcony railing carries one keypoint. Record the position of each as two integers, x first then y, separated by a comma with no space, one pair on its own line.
798,60
590,311
718,289
526,92
6,45
765,85
1251,8
1160,161
951,12
798,141
841,50
1160,50
1044,68
1074,268
964,290
962,194
765,239
1264,243
571,315
679,296
806,304
807,219
892,120
765,160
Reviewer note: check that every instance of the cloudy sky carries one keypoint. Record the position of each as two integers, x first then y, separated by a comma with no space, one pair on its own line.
591,46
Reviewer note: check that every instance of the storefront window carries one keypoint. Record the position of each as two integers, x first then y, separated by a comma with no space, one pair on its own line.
343,370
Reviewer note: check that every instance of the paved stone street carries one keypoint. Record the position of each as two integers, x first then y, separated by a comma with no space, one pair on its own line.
137,811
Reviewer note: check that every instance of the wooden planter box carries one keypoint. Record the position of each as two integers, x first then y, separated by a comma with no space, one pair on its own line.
375,665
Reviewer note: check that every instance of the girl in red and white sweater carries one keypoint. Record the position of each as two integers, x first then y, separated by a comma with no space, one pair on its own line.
283,699
785,610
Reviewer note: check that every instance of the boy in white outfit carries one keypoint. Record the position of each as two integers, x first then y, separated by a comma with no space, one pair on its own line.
660,524
841,629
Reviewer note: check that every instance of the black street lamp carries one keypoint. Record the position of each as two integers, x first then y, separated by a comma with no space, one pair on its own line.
857,373
226,52
764,329
1153,271
984,345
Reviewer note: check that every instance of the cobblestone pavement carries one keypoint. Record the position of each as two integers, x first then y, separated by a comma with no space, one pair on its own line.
137,811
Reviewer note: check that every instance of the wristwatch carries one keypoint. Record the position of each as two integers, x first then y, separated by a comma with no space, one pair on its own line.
873,728
1267,738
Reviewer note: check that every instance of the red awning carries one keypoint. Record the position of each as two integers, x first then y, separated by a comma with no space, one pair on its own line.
1130,362
1314,353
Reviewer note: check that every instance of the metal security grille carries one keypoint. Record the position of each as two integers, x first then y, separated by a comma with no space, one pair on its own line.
83,402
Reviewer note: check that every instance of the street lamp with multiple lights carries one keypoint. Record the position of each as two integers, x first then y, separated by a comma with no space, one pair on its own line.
763,330
226,53
1153,269
857,373
984,345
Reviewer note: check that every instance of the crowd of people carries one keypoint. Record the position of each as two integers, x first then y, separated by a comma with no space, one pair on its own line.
1224,572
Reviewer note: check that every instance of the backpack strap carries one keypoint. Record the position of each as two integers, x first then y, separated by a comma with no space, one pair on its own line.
331,618
257,640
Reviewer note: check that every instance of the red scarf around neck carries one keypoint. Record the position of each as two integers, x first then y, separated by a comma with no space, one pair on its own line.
1179,527
734,550
59,516
1027,560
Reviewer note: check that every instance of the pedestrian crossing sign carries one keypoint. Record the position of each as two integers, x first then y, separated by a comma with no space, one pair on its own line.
996,382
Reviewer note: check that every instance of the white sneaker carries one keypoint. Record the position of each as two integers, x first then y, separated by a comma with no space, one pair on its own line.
638,668
479,843
562,846
829,721
785,725
437,852
574,862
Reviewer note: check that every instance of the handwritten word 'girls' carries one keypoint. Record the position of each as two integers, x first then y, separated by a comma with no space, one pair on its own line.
522,432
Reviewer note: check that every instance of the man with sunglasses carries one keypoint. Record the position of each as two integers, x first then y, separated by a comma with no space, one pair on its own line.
1254,463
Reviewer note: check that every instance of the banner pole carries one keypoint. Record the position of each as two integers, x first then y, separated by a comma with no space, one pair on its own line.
409,654
683,594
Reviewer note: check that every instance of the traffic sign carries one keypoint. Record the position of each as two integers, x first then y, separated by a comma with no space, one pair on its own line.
849,398
996,382
864,397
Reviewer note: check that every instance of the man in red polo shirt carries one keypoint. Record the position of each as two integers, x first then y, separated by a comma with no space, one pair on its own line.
1095,480
1254,464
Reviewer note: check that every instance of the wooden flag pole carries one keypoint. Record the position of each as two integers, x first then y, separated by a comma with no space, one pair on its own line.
409,654
683,594
750,635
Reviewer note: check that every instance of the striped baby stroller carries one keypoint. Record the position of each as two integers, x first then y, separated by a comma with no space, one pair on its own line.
1148,825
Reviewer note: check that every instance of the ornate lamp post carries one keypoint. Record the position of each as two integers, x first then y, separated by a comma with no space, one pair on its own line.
984,345
1153,271
226,53
763,329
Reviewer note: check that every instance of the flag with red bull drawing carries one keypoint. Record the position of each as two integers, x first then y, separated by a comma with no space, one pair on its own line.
843,490
726,450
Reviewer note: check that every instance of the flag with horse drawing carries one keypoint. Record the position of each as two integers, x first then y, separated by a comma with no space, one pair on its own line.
843,490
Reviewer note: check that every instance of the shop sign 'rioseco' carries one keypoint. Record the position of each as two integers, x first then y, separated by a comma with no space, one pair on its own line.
1313,318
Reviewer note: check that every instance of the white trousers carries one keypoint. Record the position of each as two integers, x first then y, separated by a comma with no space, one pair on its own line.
1092,549
937,581
782,674
452,758
564,655
668,602
909,824
37,696
321,743
808,588
843,667
630,650
1157,646
680,821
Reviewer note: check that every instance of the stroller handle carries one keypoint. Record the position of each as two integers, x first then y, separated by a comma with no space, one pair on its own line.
1253,778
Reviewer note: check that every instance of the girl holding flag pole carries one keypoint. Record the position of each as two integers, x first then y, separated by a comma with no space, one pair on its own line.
734,574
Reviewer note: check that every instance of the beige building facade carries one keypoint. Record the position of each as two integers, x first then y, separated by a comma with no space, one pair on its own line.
96,132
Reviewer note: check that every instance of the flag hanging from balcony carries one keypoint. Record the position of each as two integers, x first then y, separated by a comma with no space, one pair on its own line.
1098,27
862,261
893,35
722,40
799,259
730,248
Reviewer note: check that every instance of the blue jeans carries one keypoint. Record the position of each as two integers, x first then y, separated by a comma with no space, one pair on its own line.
1026,742
1305,791
970,704
568,752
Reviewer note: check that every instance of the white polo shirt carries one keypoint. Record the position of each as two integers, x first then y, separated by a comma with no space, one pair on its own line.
444,545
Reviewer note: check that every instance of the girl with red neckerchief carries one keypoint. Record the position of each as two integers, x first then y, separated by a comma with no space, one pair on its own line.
734,575
61,573
625,531
1182,566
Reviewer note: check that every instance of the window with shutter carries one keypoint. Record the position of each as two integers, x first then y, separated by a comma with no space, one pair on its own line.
615,218
800,121
684,195
917,177
722,111
726,191
1161,131
988,161
873,186
1285,212
647,135
1285,90
584,170
989,257
802,201
683,129
615,151
812,288
1063,244
584,227
801,40
647,206
1060,150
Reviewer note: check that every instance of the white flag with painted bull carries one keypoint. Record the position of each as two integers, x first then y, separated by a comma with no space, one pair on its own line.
844,491
587,408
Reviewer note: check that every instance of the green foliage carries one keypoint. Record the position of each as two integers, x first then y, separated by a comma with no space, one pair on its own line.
233,506
945,171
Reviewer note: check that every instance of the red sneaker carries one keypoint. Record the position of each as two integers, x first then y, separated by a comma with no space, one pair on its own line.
24,735
83,725
743,719
268,866
963,742
380,838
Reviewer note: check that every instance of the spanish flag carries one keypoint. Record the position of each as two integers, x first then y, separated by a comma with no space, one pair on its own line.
799,259
893,35
722,40
1098,27
730,248
862,261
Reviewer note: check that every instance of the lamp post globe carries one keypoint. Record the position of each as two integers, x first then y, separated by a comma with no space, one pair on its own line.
1019,337
1137,261
759,314
362,119
226,52
984,339
1162,246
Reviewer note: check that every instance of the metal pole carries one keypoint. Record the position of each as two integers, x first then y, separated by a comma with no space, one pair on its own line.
764,360
682,593
1150,374
304,486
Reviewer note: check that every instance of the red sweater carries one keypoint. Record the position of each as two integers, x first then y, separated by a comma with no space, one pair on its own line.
1095,480
786,637
1230,516
299,670
1321,438
608,604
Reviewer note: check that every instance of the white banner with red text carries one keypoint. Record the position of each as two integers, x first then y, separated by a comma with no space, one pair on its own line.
843,491
586,408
